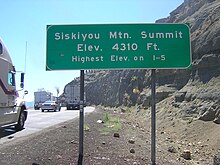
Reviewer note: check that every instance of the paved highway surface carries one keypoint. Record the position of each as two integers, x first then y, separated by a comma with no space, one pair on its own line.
38,120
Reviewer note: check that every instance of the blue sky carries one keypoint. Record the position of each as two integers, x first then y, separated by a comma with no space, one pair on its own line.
24,21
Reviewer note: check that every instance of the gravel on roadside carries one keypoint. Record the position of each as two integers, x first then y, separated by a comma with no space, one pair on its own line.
58,145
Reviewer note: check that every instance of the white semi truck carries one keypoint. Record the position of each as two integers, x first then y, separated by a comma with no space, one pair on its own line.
72,95
13,111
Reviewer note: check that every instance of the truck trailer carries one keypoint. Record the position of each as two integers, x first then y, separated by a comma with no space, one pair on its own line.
72,96
13,111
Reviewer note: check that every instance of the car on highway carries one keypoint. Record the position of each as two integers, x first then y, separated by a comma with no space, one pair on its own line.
50,105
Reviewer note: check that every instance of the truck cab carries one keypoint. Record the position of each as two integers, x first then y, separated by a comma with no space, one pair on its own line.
12,108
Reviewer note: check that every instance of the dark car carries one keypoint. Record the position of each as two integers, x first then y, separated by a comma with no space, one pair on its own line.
50,105
37,106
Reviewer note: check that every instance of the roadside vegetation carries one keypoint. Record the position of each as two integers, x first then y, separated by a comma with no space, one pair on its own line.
111,124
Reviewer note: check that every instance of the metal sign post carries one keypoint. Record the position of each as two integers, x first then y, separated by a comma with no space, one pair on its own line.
153,117
81,118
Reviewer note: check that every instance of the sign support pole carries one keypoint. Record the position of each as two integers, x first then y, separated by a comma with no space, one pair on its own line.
81,118
153,116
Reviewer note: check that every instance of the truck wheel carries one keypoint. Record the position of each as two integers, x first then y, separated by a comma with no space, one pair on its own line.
21,121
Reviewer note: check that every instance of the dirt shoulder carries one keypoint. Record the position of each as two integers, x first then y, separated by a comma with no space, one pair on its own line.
124,141
59,145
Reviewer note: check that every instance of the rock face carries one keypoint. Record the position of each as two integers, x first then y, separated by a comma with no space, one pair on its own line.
114,88
204,20
196,90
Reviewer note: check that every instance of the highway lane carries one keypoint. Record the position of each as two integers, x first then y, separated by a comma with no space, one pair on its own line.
38,121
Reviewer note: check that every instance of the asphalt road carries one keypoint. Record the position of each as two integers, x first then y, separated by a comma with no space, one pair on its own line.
38,121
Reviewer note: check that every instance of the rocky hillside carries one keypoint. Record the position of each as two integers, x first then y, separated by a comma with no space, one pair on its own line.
195,91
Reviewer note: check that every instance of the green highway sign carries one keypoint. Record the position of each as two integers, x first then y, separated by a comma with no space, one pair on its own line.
118,46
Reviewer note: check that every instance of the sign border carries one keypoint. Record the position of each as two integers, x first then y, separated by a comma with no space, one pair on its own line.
190,51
